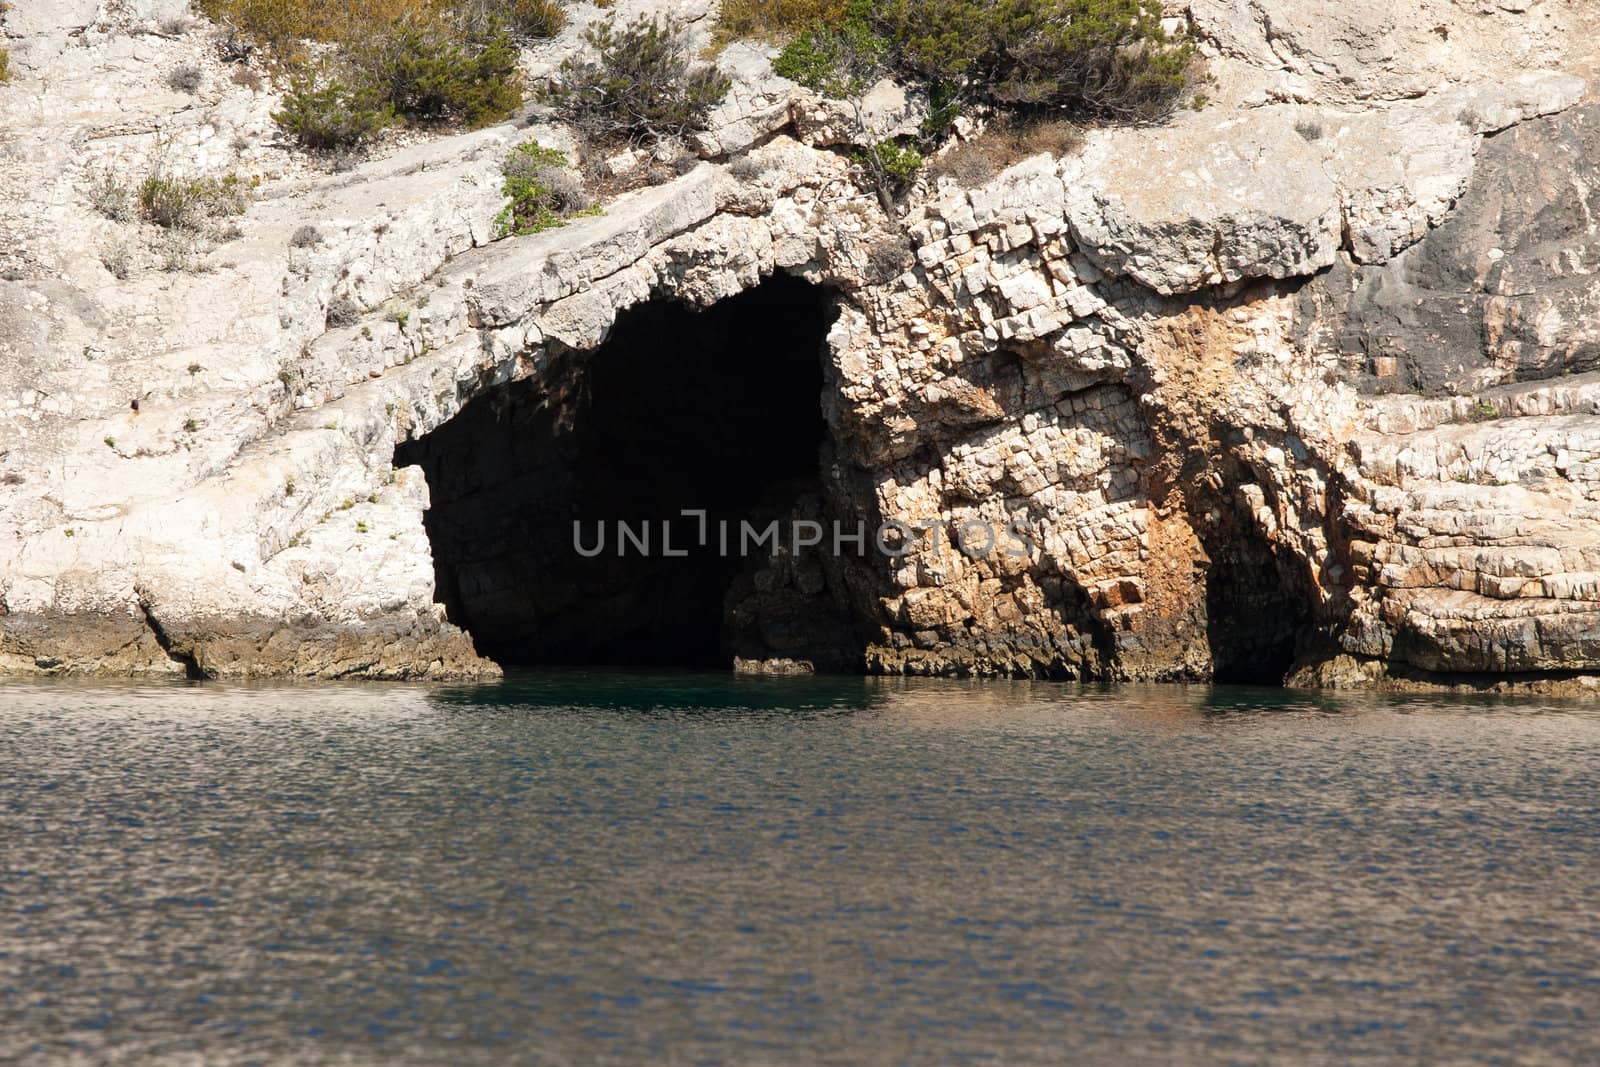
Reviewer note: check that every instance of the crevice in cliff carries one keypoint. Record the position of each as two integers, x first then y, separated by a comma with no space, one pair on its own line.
557,520
184,657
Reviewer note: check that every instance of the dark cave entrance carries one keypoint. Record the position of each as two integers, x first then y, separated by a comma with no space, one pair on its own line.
1255,621
680,409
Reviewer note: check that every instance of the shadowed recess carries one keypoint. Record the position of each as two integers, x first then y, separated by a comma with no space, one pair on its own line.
716,409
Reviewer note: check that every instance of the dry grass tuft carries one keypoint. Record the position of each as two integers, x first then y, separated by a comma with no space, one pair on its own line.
775,20
1005,143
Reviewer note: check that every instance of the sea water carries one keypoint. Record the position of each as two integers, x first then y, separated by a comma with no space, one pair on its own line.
611,868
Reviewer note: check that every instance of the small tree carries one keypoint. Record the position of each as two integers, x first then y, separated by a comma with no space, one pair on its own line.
643,85
331,116
425,72
1096,58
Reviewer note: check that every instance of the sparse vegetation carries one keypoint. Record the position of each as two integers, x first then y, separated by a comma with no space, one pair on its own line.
1036,60
775,20
342,311
177,203
544,192
1004,143
306,237
643,87
889,258
182,251
187,209
418,60
1311,131
746,168
117,256
5,65
246,78
111,196
185,78
191,425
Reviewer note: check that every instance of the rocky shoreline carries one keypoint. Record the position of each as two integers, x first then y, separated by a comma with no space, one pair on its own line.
1303,384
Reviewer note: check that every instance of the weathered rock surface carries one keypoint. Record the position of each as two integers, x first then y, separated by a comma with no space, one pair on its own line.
1305,381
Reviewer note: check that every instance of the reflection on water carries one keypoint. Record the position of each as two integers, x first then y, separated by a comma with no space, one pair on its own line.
577,868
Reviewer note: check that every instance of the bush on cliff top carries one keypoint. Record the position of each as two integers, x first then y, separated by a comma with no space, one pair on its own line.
1040,61
422,60
1101,59
642,86
283,26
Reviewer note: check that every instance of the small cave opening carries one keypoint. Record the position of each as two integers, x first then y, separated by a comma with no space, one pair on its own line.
1255,619
557,503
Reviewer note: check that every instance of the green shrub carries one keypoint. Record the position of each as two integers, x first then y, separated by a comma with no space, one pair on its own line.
1104,59
840,61
544,193
5,65
425,73
901,163
428,60
188,203
331,116
642,87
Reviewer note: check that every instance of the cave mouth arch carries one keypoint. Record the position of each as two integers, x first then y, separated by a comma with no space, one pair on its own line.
679,409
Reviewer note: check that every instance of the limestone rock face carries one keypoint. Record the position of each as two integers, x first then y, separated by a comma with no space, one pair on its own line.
1207,201
1372,51
1305,383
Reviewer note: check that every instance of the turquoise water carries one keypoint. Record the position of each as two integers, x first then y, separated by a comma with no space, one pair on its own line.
598,869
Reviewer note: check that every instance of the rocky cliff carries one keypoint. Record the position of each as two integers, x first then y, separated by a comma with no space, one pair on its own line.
1303,384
